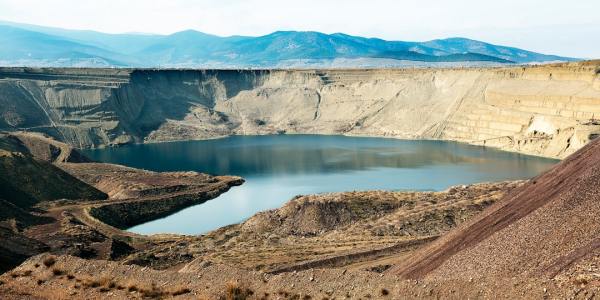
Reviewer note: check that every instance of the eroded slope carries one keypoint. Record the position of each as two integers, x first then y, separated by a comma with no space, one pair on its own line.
543,110
542,229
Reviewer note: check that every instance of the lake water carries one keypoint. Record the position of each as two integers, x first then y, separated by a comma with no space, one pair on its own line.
279,167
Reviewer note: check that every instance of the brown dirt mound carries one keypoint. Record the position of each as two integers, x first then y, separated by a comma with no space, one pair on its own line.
539,229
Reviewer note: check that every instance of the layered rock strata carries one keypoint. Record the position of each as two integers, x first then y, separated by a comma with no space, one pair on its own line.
548,110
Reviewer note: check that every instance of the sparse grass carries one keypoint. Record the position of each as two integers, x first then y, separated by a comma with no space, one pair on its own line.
581,280
98,282
234,291
181,291
57,272
153,292
379,268
91,283
104,281
49,261
283,293
265,296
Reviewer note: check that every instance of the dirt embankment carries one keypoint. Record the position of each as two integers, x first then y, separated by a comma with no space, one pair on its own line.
130,213
547,228
354,229
138,196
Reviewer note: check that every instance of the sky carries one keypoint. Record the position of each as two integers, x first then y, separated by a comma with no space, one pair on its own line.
570,28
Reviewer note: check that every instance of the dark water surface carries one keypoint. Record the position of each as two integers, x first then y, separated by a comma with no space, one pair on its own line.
278,167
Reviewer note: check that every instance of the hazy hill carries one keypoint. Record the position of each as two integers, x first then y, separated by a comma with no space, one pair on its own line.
31,45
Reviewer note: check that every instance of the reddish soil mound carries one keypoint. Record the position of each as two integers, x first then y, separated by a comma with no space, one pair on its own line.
539,229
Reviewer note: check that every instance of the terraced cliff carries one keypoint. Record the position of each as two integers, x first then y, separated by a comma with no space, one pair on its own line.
546,110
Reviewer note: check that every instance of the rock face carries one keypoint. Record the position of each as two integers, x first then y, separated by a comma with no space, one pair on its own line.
546,110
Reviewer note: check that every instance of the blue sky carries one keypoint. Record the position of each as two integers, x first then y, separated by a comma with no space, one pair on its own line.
559,27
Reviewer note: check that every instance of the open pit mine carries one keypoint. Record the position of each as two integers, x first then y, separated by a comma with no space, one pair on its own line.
64,217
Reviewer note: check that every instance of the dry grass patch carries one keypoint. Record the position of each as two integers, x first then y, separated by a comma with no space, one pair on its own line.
132,288
103,282
148,291
91,283
25,273
49,261
180,291
153,292
235,291
582,280
57,272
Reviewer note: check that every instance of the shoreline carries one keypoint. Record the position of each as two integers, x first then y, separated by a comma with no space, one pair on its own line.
319,134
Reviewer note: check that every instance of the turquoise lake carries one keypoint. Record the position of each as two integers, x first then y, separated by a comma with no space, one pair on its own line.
279,167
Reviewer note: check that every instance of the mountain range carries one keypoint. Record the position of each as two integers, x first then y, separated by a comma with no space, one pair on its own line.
32,45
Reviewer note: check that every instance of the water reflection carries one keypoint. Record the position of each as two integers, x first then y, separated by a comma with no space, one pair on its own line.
304,154
279,167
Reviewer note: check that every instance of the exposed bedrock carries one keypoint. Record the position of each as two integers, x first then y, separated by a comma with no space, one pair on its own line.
546,110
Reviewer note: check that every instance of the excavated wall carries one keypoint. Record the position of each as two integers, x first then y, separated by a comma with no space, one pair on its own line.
546,110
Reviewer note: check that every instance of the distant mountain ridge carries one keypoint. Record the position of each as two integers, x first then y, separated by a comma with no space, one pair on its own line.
31,45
